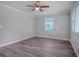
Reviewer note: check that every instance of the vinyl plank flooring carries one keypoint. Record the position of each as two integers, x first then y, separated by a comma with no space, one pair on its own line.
38,47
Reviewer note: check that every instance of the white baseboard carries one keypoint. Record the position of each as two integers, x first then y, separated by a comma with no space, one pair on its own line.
73,45
53,38
31,37
12,42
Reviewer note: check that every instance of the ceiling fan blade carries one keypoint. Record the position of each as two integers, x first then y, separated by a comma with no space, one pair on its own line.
41,10
29,6
44,6
33,9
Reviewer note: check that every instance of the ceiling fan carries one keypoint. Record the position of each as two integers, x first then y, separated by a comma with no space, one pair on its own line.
37,6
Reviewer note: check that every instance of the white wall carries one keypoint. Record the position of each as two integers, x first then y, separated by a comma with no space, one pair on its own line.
74,35
62,29
16,26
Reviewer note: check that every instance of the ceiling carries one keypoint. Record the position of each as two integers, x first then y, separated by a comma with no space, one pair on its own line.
56,7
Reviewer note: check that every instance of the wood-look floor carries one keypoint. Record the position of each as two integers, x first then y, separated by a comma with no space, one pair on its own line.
38,47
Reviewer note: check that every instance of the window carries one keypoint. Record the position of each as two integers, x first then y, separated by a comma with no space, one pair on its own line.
77,20
49,24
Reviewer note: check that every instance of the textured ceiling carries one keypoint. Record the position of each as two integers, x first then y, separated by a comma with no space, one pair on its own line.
56,7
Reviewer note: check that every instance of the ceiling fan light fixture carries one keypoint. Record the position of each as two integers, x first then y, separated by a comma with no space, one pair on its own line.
37,8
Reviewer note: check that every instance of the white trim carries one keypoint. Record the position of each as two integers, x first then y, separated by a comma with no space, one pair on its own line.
30,37
54,38
74,48
14,9
17,41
